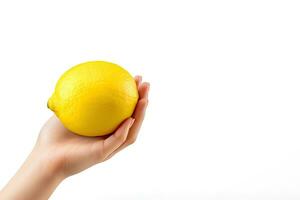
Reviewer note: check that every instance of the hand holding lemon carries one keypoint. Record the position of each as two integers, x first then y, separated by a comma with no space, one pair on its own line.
91,99
92,93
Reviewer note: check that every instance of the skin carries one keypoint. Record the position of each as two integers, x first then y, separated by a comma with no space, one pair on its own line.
58,153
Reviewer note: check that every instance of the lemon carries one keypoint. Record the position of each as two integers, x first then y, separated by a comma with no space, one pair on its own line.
93,98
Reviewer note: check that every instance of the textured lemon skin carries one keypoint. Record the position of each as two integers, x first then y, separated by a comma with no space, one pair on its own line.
93,98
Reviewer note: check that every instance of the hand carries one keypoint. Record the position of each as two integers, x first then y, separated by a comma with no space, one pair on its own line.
70,153
59,153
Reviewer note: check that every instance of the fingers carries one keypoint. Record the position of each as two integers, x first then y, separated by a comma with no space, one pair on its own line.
118,138
139,118
143,88
138,80
140,109
139,115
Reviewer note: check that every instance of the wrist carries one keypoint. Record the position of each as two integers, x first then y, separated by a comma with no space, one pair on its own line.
36,179
46,164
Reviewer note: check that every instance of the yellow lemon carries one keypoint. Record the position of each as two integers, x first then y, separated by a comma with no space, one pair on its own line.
93,98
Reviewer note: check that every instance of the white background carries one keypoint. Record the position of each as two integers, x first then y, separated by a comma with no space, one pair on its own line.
224,113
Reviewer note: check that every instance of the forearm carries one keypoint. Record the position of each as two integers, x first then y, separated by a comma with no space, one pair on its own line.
35,180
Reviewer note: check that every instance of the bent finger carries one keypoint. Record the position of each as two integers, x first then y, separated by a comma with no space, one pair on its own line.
118,138
134,130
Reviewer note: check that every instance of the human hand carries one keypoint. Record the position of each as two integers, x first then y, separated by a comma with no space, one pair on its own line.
59,153
69,153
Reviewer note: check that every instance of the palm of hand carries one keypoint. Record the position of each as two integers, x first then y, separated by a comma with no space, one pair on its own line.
73,153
